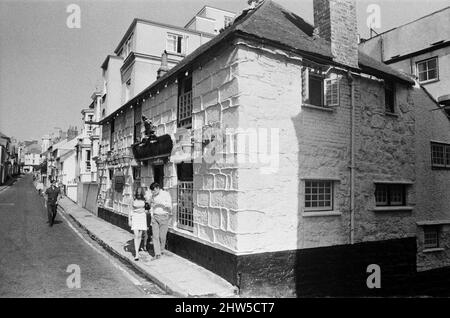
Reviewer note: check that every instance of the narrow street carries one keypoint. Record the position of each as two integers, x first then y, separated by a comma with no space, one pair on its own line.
34,257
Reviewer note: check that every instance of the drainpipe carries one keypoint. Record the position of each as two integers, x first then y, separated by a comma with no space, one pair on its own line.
352,159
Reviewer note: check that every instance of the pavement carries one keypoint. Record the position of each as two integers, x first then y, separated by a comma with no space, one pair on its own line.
172,273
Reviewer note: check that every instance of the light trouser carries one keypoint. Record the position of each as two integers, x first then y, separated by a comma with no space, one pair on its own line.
160,224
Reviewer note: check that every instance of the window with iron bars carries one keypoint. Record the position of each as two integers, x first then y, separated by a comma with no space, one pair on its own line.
185,206
431,237
185,102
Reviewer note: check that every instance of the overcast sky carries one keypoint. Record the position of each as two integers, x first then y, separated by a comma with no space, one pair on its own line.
49,71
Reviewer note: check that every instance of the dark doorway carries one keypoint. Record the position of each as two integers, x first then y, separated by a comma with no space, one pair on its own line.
158,174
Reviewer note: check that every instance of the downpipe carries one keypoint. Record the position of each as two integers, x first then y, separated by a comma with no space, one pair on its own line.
352,158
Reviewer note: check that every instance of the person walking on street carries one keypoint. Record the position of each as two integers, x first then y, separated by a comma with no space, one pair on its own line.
161,210
40,187
137,220
52,196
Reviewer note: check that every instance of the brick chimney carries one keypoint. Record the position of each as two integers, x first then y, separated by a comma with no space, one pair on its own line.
164,68
335,21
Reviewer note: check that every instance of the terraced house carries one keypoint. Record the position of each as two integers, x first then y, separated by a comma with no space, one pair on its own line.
294,160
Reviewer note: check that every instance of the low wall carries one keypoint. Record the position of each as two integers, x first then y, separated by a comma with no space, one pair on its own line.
87,196
71,192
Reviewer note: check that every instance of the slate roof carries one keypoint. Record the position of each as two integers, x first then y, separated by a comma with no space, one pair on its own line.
273,24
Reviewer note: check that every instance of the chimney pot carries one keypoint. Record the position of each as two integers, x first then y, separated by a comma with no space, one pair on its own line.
164,68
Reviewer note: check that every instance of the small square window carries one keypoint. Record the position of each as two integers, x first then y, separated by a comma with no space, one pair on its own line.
318,195
427,70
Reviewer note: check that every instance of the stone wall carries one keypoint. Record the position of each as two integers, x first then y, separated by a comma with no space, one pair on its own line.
315,144
215,104
433,198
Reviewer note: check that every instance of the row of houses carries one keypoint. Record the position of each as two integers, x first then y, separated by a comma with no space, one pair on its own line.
294,159
9,158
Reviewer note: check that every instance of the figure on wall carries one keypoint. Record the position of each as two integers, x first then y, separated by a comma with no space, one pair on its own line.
149,131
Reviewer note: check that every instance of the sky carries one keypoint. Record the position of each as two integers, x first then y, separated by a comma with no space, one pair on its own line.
48,71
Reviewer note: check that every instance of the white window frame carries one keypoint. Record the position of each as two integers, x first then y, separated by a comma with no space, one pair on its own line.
332,81
334,84
431,237
445,155
428,80
311,193
170,36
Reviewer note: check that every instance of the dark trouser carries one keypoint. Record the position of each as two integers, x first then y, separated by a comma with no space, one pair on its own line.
51,212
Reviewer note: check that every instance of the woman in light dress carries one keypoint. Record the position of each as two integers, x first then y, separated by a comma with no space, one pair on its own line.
137,220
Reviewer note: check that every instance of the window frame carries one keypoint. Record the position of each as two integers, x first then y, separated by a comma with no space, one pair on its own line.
185,195
390,86
327,208
332,78
434,229
184,116
389,194
428,70
445,155
178,42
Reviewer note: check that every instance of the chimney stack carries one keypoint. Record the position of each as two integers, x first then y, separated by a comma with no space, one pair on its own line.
164,68
335,21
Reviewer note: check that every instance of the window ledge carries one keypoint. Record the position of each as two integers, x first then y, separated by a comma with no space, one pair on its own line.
392,208
440,167
429,81
433,250
391,114
321,213
323,108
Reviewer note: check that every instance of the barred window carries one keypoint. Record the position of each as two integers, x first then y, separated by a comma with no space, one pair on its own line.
185,206
390,194
427,70
440,155
318,195
185,102
389,97
137,124
431,237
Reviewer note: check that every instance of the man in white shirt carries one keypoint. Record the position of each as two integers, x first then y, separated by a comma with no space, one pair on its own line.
161,211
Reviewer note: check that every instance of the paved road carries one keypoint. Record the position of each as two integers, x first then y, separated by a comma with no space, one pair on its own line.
34,257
